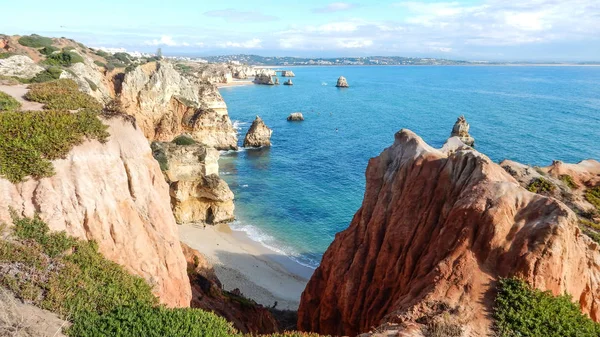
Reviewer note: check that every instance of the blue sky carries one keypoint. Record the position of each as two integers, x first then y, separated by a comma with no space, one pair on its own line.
535,30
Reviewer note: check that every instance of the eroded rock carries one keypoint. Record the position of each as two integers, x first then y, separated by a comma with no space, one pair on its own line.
461,130
295,117
19,66
259,134
342,83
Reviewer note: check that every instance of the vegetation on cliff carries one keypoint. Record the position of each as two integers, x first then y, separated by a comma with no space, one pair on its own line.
8,103
35,41
524,311
31,139
61,94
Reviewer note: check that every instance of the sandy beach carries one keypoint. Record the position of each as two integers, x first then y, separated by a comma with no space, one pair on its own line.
234,83
261,274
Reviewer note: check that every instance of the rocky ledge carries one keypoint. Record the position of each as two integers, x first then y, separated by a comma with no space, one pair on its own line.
258,135
436,231
198,194
342,83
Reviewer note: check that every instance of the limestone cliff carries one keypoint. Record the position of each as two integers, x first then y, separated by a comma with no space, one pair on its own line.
198,195
436,229
166,104
115,194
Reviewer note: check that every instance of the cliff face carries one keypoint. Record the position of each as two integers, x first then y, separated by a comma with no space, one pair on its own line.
166,104
436,229
115,194
197,193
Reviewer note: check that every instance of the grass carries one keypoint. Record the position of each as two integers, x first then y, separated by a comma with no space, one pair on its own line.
50,74
540,185
62,94
35,41
31,139
70,277
184,140
568,180
48,50
8,103
524,311
592,195
100,64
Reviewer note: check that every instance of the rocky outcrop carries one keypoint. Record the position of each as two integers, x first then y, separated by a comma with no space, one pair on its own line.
276,80
207,293
287,73
295,117
198,195
113,193
258,135
19,66
243,72
166,104
288,82
264,79
461,130
342,83
436,230
90,79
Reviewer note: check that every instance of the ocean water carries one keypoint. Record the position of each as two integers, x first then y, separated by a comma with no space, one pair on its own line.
294,196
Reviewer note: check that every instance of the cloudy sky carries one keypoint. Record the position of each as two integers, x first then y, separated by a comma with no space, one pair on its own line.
523,30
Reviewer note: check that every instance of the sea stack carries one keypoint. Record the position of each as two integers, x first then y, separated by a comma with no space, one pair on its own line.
288,82
287,73
264,79
258,135
295,117
342,83
461,130
276,80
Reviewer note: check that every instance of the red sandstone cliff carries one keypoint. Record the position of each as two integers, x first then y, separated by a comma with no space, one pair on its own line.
436,230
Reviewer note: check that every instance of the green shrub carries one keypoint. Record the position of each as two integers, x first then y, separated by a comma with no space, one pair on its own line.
102,53
6,55
35,41
184,140
50,74
540,185
150,321
62,94
122,57
31,139
7,102
91,83
592,195
48,50
523,311
568,180
294,334
64,58
100,64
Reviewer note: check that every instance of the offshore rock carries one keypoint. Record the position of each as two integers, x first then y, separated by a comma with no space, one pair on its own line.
166,104
461,130
264,79
198,195
288,82
295,117
258,135
287,73
113,193
435,232
341,82
276,80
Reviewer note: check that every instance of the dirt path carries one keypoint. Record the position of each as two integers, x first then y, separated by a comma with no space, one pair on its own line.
18,91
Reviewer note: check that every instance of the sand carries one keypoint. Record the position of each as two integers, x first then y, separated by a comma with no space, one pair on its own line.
18,91
261,274
235,83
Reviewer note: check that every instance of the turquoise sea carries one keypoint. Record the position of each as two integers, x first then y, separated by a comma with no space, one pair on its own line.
296,195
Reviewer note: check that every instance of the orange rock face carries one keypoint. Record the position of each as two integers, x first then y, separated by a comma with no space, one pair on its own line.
115,194
437,229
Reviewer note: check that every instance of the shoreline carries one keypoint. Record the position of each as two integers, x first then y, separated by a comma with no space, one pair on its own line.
240,262
235,83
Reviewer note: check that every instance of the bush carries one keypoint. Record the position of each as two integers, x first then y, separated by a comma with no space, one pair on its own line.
102,53
294,334
523,311
91,83
140,320
184,140
592,195
48,50
50,74
31,139
7,102
64,58
62,94
100,64
35,41
568,180
122,57
540,185
6,55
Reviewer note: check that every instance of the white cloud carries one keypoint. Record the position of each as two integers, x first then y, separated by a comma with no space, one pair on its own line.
356,43
234,15
334,27
334,7
250,44
168,41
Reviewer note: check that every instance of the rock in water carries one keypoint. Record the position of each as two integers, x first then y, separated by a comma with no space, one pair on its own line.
198,195
258,135
113,193
342,83
461,130
288,82
276,80
265,79
437,229
287,73
295,117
